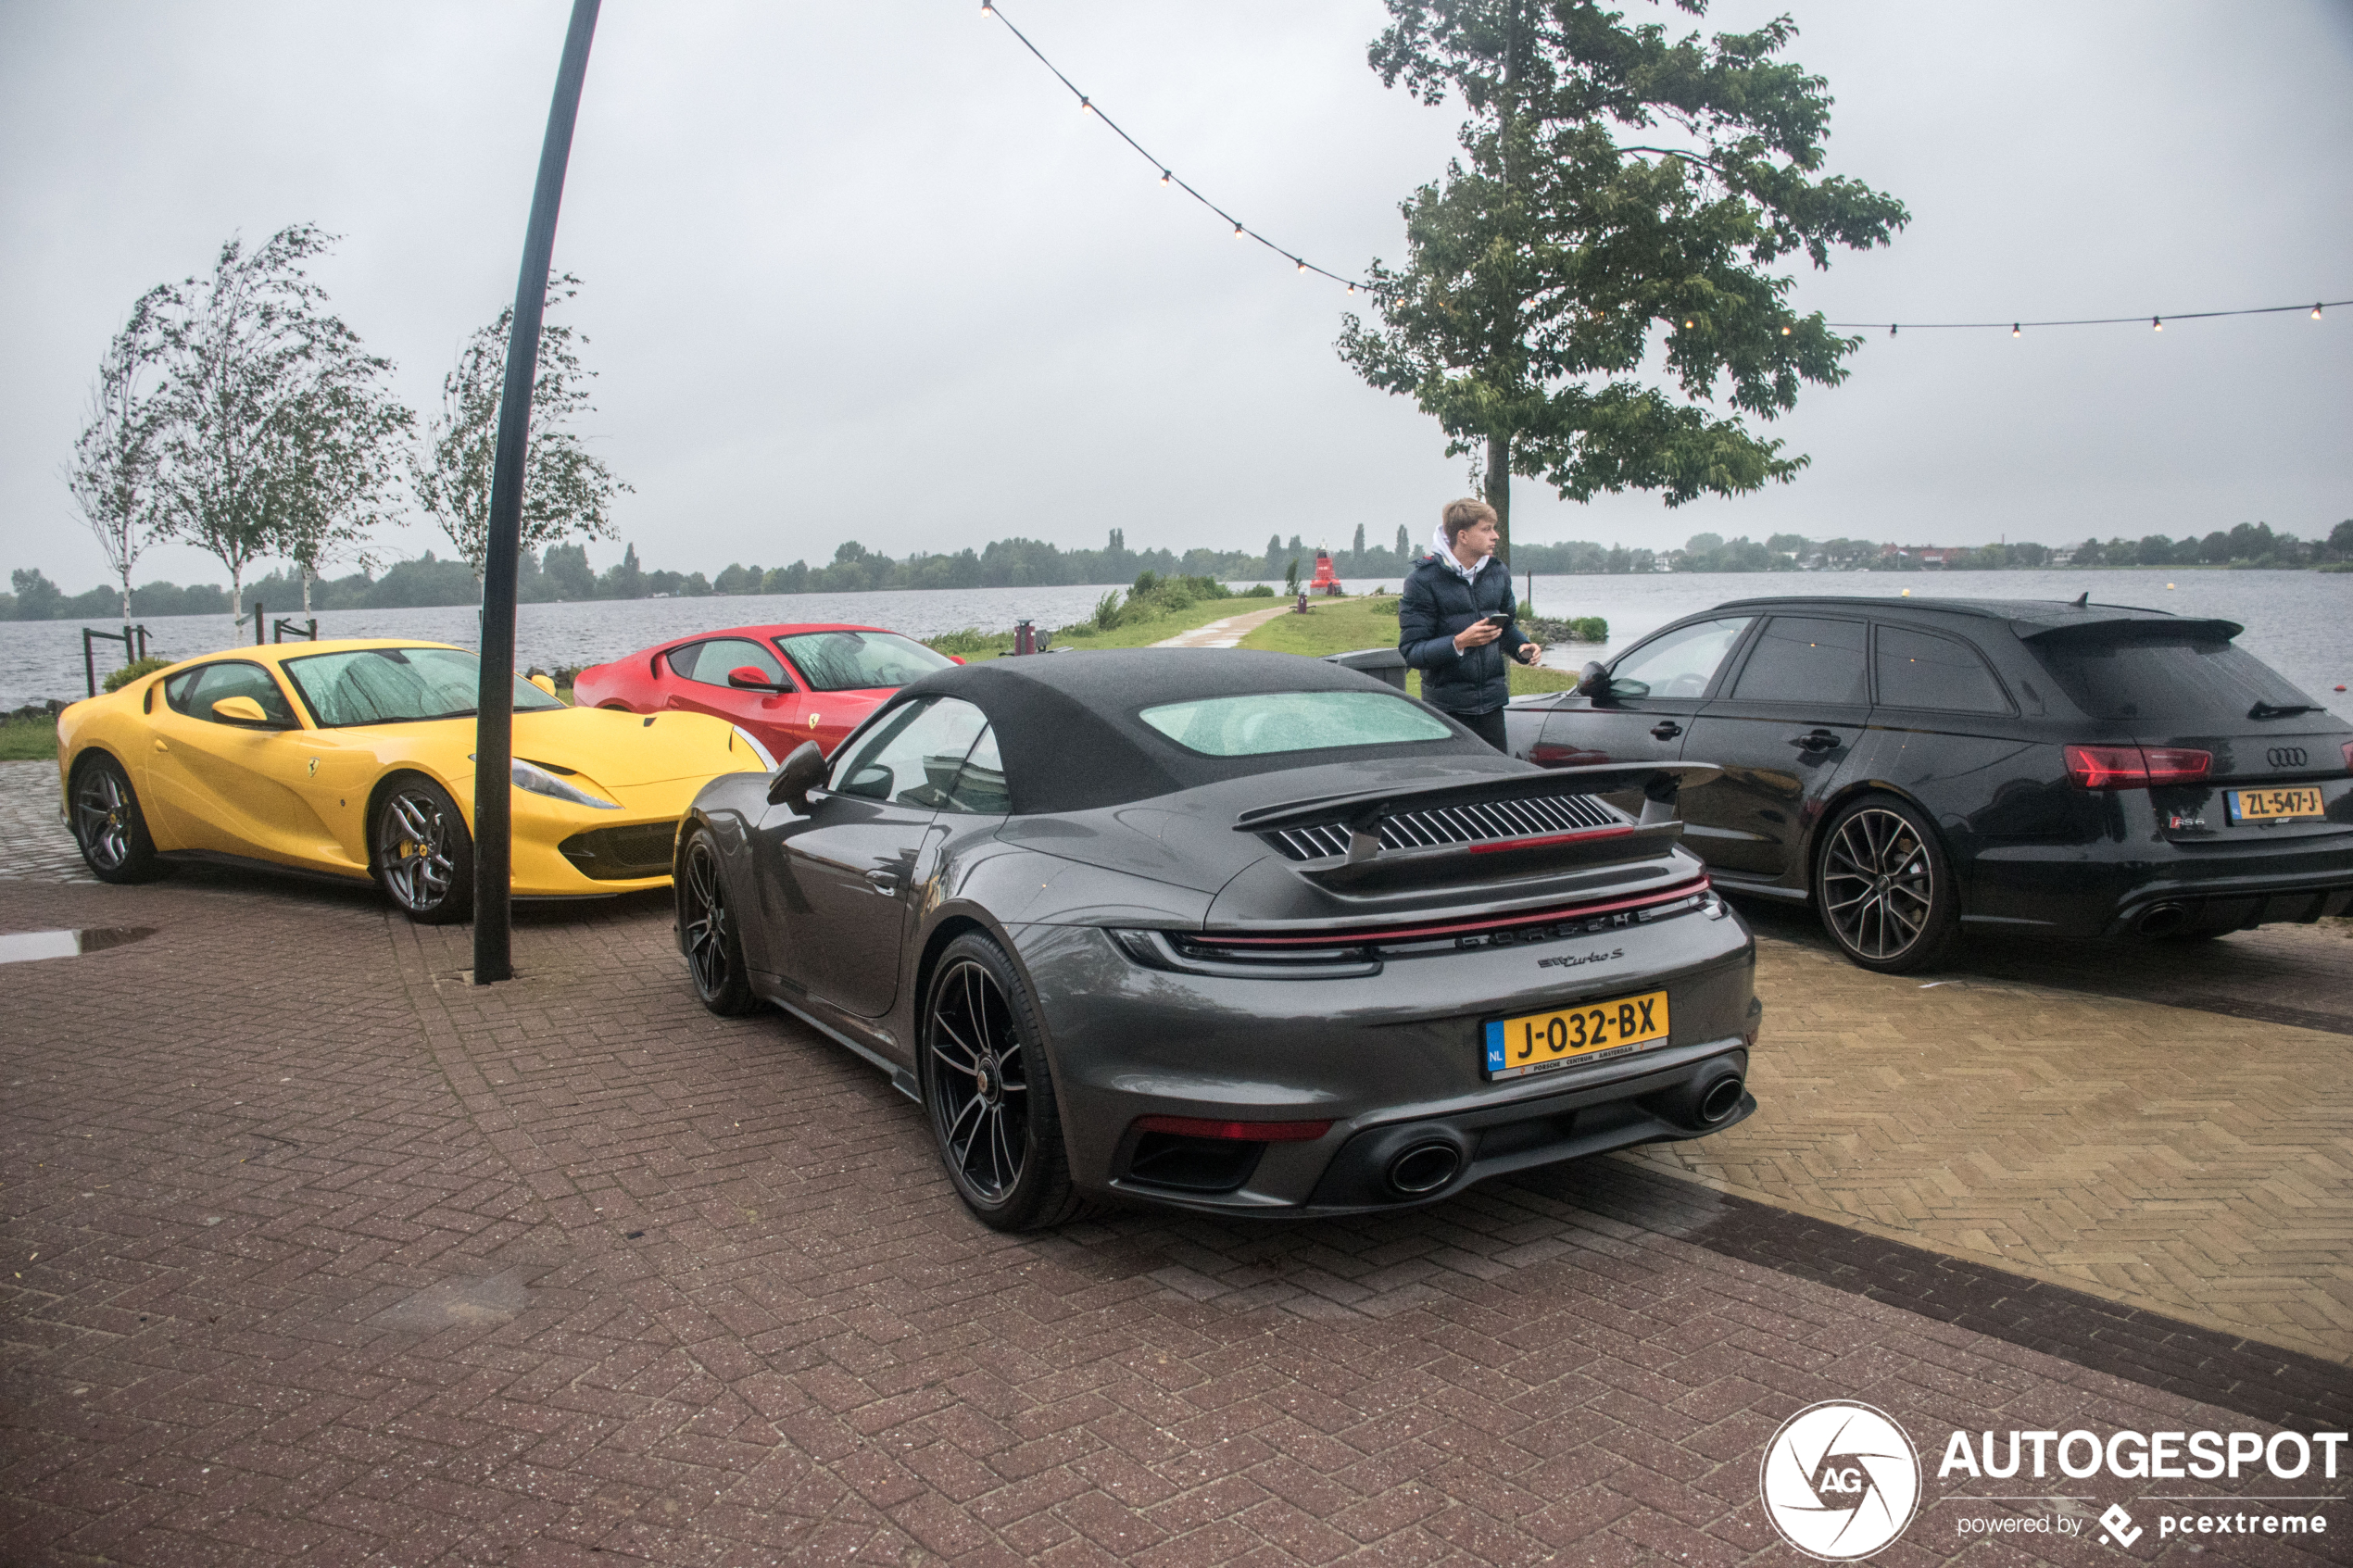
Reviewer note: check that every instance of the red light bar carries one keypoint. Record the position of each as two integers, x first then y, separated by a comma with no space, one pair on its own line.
1454,928
1235,1132
2135,767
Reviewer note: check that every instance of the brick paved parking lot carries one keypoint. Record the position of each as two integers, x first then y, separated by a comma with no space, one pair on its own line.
316,1252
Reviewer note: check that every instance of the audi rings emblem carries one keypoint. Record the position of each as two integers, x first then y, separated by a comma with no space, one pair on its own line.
2285,756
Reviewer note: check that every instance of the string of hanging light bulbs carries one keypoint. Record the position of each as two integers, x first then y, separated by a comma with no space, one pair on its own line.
989,9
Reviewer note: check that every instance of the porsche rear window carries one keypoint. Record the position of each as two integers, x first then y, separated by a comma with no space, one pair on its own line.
388,686
1261,724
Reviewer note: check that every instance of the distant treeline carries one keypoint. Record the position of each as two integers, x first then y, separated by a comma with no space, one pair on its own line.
564,573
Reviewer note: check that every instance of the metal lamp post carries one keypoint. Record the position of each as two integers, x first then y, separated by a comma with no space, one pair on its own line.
495,706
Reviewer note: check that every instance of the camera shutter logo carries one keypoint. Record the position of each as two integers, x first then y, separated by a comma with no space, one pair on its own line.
1839,1480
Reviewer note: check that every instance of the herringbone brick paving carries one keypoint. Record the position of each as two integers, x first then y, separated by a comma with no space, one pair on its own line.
318,1252
2184,1162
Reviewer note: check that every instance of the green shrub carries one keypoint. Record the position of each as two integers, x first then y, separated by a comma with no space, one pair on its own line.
135,670
1107,611
1384,606
1259,590
1591,629
971,639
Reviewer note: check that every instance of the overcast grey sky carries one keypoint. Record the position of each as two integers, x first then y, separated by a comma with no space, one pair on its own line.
864,271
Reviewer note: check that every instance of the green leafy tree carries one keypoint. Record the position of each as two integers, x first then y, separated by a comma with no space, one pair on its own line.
273,431
1620,190
567,490
2340,543
111,474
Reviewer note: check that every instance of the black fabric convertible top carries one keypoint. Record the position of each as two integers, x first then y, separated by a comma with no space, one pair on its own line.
1067,731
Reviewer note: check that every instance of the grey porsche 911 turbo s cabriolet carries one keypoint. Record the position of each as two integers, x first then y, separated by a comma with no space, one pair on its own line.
1236,933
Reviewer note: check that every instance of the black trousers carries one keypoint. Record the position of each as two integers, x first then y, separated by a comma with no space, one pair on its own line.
1487,726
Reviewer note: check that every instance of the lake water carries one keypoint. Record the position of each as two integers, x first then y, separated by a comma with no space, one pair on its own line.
2299,623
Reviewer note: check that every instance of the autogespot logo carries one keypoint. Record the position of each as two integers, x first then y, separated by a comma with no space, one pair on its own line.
1839,1480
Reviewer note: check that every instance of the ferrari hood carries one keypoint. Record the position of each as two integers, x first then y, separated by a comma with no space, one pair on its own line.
622,750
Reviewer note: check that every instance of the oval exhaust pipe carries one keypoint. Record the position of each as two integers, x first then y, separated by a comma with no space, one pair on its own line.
2162,920
1722,1098
1424,1168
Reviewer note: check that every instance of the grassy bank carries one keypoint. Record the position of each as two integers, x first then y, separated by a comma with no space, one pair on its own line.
1135,632
1344,625
28,740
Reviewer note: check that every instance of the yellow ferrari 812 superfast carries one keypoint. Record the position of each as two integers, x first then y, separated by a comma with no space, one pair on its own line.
354,760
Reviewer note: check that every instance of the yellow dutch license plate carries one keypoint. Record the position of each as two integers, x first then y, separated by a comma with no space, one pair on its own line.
2275,805
1516,1046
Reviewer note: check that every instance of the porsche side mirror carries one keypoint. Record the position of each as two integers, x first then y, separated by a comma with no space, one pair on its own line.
797,777
746,678
545,682
1592,682
239,710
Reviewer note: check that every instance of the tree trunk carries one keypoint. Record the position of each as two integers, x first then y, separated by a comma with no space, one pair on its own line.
1498,481
305,574
126,598
237,605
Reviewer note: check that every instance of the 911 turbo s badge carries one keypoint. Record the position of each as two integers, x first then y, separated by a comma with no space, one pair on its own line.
1570,960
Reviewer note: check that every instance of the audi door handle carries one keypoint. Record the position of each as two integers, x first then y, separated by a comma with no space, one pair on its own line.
883,880
1665,729
1819,740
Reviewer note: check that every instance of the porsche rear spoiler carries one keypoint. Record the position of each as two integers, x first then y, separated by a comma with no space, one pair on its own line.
1362,813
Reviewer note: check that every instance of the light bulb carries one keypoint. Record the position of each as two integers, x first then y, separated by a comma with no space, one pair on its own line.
1890,329
1303,266
2013,329
1086,103
1687,322
986,9
2316,312
2157,323
1163,176
1351,288
1237,231
1785,332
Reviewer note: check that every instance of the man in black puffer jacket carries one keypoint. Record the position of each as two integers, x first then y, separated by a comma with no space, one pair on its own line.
1442,626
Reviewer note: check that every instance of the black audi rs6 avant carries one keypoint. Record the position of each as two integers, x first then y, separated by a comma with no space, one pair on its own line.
1914,768
1241,933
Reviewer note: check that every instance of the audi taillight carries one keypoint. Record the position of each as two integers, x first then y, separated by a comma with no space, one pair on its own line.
2349,757
2135,767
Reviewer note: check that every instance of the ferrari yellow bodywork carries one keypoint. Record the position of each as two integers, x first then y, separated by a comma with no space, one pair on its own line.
301,795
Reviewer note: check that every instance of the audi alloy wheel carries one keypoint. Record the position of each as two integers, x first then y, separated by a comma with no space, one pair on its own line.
1882,887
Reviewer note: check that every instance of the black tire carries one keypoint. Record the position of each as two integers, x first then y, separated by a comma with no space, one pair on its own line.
988,1093
108,827
707,931
424,857
1883,886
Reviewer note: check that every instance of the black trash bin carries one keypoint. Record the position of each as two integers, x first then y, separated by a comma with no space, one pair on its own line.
1385,664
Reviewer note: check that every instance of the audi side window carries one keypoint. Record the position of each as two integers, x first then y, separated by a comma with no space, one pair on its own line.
1917,669
1680,664
915,760
1800,658
711,662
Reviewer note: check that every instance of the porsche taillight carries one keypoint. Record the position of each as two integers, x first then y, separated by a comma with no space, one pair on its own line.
2135,767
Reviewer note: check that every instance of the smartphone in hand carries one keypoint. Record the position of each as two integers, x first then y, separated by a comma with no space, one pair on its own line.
1498,619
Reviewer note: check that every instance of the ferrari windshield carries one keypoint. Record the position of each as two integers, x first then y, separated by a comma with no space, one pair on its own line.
393,685
854,662
1261,722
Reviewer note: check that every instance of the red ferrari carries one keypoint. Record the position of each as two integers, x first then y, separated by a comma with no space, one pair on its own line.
784,683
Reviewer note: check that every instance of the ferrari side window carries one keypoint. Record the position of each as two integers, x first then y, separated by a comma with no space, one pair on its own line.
711,664
195,691
915,761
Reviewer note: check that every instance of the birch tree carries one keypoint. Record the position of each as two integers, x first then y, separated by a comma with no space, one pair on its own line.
275,435
111,474
567,490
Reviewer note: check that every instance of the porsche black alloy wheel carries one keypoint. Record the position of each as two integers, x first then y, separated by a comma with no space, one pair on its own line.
988,1092
707,931
424,856
1883,886
107,824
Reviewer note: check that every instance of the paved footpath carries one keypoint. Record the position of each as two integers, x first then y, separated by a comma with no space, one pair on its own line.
317,1253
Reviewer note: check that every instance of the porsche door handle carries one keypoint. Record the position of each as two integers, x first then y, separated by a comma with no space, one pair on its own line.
1819,740
1665,729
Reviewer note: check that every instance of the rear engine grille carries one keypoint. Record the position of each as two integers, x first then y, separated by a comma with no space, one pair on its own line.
1454,824
622,854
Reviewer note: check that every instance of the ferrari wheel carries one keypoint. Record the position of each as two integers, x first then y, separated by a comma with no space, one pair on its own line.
990,1098
1884,887
109,828
424,857
706,930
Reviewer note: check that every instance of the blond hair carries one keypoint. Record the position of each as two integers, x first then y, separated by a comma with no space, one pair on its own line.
1468,512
